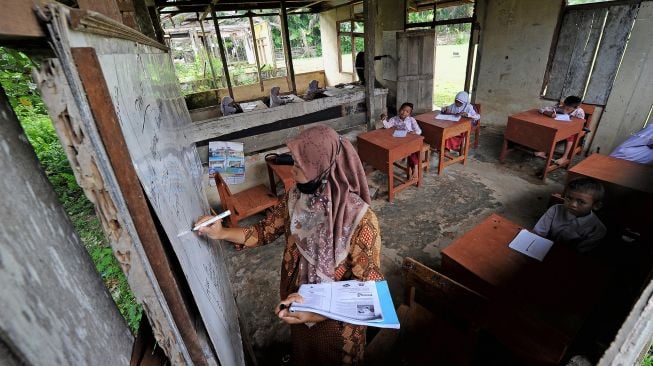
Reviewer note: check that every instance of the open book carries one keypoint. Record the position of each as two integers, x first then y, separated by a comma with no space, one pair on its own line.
363,303
531,244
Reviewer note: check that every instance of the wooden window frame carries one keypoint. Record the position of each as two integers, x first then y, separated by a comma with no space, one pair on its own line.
352,36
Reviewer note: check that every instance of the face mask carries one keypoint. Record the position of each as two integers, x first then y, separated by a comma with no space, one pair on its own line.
309,187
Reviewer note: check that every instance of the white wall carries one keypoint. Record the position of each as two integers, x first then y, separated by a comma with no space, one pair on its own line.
516,38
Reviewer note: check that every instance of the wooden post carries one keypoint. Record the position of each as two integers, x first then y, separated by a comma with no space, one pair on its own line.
473,40
370,75
156,23
208,52
258,62
55,308
286,46
223,57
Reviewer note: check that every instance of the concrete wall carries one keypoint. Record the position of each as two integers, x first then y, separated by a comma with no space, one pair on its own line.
515,43
389,17
630,102
329,40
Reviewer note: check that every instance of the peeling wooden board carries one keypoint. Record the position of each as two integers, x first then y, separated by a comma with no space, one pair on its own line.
562,56
617,28
589,31
148,104
55,308
95,175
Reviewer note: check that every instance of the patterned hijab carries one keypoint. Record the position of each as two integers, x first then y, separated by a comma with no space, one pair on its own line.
321,225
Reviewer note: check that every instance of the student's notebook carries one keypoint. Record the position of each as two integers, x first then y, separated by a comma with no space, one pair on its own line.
531,244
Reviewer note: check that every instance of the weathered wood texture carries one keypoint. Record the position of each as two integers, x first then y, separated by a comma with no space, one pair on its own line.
214,128
83,147
629,103
578,52
147,102
415,52
615,34
55,308
107,8
23,23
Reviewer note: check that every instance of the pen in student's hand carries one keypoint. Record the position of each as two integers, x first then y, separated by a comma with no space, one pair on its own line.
529,245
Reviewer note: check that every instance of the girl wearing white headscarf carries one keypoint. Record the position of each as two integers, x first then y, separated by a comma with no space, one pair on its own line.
460,107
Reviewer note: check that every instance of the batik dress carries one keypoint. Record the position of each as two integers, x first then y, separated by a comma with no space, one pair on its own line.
328,342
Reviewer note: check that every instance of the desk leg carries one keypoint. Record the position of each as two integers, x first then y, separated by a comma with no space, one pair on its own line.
441,156
273,184
573,149
466,147
549,157
504,150
419,166
391,183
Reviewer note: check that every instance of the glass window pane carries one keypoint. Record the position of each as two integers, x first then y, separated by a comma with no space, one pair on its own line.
345,54
359,27
345,26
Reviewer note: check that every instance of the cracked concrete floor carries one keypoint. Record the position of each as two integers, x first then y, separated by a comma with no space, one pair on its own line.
419,223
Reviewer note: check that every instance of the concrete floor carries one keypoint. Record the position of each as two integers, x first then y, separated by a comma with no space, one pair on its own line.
419,223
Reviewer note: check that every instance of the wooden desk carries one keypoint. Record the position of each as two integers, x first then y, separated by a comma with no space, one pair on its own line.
381,150
436,132
255,105
284,172
628,190
545,302
541,133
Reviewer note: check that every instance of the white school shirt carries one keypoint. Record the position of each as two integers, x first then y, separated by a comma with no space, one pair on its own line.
409,124
582,233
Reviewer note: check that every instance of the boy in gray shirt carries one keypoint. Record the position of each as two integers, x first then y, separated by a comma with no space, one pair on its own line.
573,223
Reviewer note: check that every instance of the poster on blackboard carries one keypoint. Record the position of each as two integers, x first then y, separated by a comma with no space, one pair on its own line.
228,159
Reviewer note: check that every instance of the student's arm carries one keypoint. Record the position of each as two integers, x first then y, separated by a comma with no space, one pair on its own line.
415,126
543,226
389,123
548,111
471,113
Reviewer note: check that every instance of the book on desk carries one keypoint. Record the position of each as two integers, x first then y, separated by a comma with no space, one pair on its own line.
531,244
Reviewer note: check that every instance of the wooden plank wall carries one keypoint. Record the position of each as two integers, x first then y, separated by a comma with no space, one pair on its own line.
578,52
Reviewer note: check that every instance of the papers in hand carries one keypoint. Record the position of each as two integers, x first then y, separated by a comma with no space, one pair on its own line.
562,117
447,117
363,303
531,244
399,133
